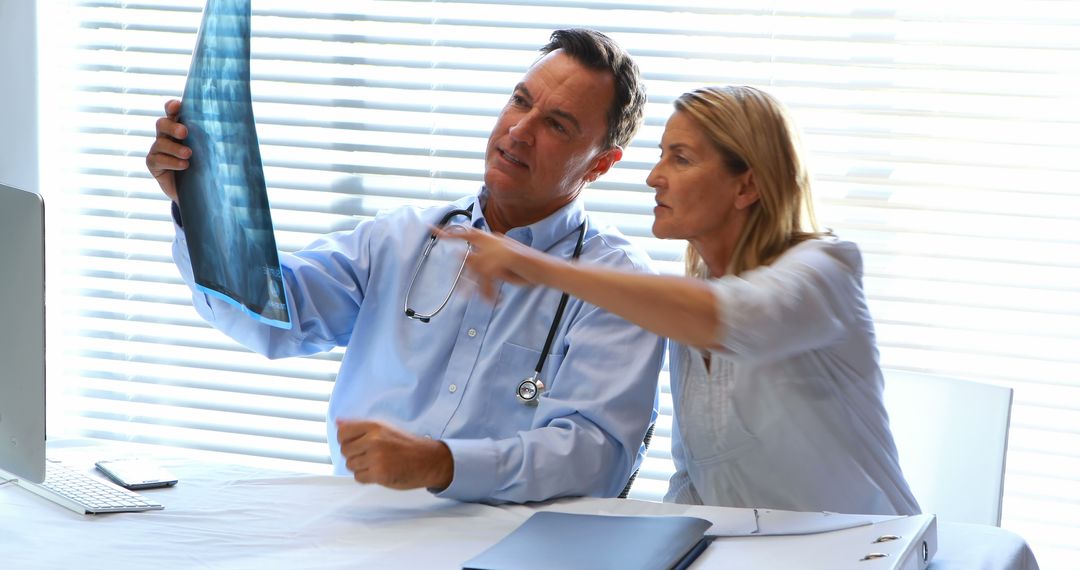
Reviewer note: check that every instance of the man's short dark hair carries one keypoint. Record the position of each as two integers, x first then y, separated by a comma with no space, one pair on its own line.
597,51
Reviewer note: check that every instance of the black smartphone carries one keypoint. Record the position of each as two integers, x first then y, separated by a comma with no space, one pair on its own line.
136,473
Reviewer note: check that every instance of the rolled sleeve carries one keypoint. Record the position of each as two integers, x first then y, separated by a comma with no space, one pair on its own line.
801,302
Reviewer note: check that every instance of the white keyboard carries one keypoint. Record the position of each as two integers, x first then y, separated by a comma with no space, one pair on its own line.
84,494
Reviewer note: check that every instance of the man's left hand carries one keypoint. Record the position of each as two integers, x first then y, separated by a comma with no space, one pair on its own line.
378,453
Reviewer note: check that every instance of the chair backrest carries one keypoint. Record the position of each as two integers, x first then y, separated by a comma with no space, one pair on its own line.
951,435
633,476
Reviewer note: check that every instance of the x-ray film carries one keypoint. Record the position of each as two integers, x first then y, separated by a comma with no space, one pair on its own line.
222,195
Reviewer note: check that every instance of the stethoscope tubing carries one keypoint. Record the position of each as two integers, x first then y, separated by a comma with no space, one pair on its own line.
535,384
412,314
562,305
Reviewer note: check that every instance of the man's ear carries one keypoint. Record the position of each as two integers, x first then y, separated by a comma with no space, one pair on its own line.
603,162
747,195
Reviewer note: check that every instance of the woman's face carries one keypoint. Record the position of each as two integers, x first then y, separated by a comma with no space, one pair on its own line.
697,197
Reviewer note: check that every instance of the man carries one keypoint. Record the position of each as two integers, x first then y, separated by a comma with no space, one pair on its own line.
430,398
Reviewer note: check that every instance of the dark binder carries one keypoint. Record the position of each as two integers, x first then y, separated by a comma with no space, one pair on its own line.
597,542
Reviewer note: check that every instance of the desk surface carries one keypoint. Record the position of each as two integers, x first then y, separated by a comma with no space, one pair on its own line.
232,516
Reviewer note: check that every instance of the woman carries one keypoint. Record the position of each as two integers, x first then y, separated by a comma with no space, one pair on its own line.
774,371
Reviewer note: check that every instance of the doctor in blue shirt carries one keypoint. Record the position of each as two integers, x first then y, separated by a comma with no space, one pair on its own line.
439,388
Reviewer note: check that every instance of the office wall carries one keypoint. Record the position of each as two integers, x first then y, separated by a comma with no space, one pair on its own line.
18,94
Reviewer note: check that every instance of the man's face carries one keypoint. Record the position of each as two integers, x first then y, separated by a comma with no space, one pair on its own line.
548,141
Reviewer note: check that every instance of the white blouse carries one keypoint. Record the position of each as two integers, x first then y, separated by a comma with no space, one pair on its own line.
790,415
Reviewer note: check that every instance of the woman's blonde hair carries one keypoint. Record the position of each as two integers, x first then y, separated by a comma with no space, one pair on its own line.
753,132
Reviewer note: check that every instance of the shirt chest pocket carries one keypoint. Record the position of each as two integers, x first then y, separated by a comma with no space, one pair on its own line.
517,363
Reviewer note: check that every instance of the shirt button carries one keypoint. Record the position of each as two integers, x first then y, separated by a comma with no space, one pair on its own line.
471,332
453,388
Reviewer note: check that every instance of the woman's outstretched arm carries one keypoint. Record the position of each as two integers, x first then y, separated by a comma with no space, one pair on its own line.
680,308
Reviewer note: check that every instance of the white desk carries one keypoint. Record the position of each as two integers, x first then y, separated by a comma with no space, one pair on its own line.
229,516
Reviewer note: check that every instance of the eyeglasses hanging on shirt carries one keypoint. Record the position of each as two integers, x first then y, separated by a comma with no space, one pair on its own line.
528,390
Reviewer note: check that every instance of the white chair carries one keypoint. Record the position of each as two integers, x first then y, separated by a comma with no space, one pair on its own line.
951,435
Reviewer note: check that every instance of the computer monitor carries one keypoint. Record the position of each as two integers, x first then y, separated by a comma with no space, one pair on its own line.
22,334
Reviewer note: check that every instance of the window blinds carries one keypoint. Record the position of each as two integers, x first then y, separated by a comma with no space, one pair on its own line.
938,134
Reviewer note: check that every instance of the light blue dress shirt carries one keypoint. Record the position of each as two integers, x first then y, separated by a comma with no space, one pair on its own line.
455,378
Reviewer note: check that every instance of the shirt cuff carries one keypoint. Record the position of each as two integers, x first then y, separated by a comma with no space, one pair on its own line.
475,466
176,215
737,333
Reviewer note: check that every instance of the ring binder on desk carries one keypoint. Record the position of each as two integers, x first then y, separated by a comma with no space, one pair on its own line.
833,541
908,543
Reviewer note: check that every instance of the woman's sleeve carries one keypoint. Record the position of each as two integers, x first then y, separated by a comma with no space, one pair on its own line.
803,301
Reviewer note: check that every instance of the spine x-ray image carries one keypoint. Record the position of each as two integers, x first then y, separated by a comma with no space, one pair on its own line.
222,195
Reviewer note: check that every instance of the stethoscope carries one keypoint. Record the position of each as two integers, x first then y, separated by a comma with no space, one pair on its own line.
424,318
529,390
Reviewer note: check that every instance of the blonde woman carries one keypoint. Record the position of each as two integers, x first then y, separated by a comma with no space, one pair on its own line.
774,367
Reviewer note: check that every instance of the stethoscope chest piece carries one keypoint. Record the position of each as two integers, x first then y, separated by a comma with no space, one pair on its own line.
530,389
528,392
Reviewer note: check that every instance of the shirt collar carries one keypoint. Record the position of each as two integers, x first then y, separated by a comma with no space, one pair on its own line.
542,235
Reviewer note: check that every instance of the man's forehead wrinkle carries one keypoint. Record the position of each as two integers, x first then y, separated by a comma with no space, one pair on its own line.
553,82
